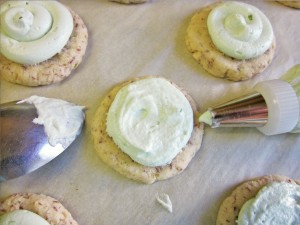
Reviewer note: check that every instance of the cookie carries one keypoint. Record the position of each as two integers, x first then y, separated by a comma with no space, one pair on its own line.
231,206
293,4
129,1
112,155
45,206
199,43
53,70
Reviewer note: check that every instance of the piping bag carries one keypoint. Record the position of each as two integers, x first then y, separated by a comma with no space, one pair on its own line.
273,107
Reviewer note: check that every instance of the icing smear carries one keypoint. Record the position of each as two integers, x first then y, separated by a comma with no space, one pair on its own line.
33,31
240,30
276,204
165,201
62,120
150,120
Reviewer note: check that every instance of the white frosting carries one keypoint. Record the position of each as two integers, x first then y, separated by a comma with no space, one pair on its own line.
165,201
34,31
62,120
275,204
151,121
240,30
22,217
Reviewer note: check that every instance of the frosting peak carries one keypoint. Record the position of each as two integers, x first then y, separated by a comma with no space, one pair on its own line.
238,26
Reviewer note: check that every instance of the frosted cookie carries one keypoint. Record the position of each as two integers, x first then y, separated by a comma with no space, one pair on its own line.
236,207
49,42
231,40
129,1
293,4
140,131
43,209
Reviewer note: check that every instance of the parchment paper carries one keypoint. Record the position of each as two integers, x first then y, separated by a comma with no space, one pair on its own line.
126,41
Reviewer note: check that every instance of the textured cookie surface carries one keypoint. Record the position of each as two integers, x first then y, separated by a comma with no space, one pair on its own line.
45,206
293,4
54,69
110,153
199,43
231,206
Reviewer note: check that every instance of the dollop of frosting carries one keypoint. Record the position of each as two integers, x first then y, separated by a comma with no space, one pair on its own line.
62,120
276,204
33,31
22,217
240,30
150,120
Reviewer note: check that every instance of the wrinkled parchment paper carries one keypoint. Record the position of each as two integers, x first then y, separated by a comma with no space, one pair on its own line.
126,41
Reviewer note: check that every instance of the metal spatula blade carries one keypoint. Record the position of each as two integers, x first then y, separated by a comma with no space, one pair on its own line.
24,145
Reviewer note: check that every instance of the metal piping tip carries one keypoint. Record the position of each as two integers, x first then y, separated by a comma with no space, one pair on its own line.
247,111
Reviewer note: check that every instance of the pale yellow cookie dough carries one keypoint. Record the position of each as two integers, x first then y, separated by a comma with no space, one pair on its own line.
45,206
199,43
231,206
54,69
110,153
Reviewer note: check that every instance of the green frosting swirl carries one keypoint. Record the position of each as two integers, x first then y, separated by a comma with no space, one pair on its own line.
240,30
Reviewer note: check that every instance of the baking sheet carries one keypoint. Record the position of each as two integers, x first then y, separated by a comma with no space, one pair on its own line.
127,41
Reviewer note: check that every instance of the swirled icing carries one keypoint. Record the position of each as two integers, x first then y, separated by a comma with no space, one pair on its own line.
34,31
150,120
276,204
240,30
